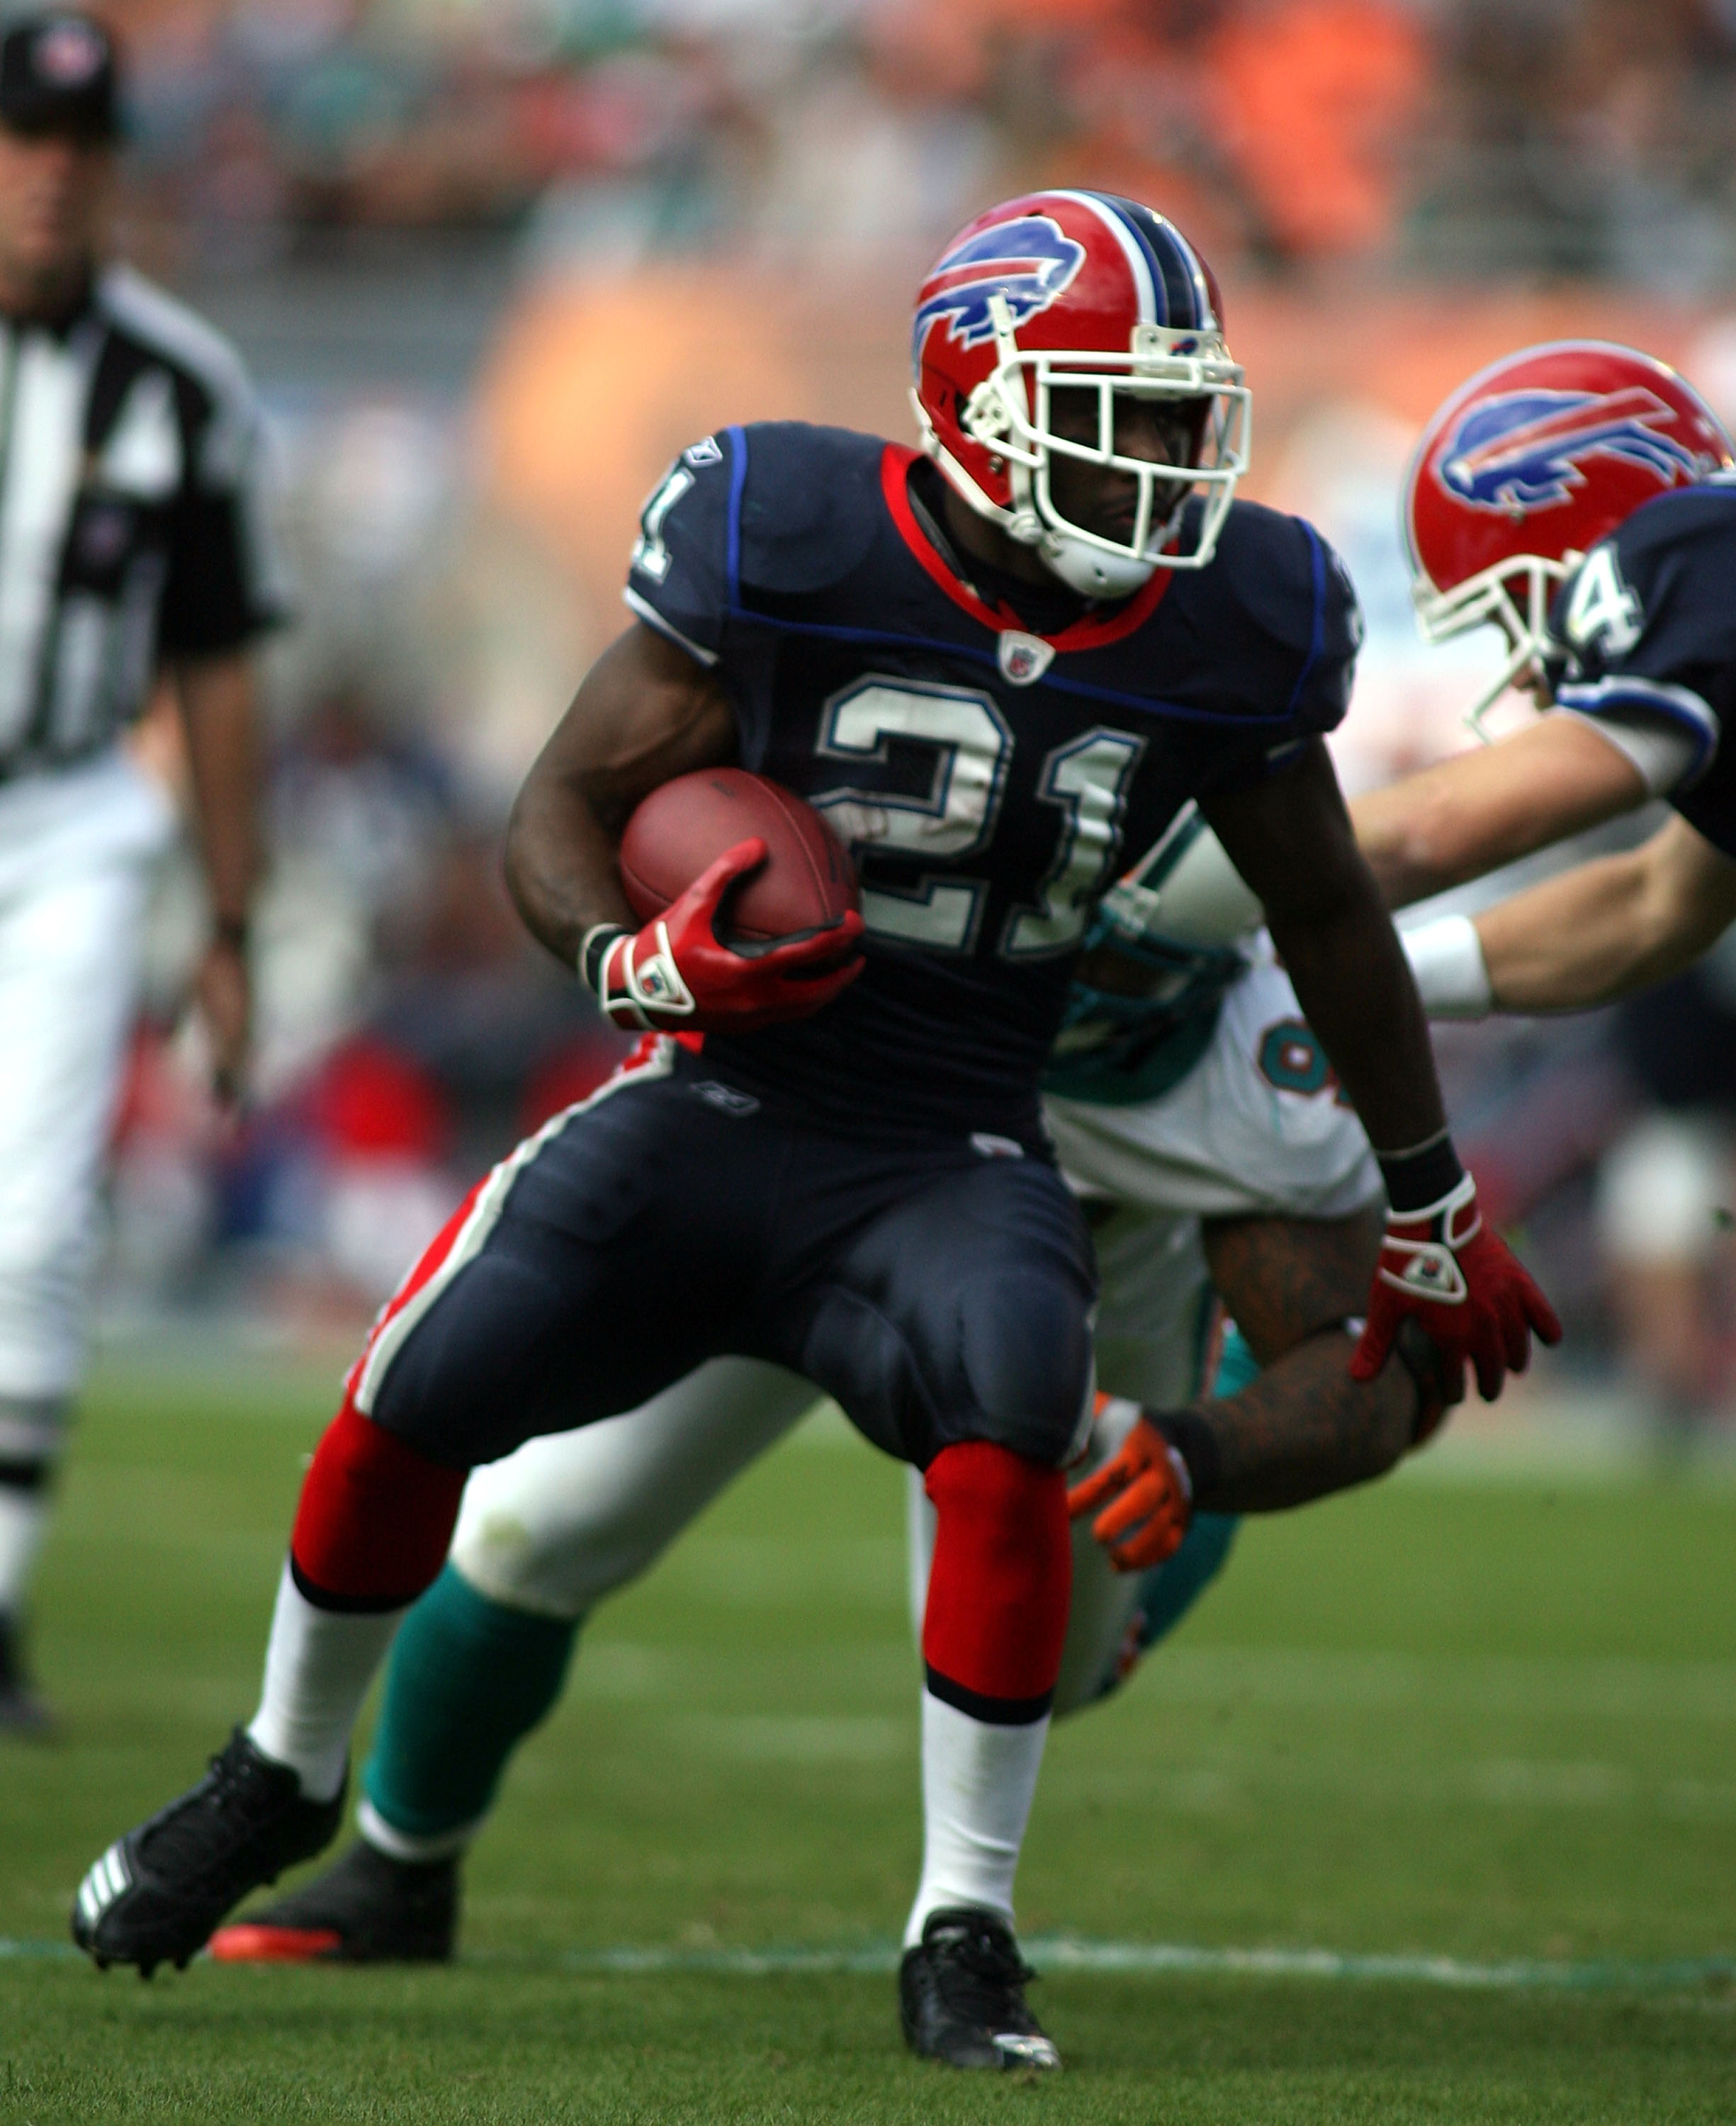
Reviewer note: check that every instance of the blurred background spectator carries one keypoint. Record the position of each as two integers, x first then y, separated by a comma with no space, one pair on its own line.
495,261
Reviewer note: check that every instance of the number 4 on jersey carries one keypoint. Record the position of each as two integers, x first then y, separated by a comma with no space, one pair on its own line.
1603,613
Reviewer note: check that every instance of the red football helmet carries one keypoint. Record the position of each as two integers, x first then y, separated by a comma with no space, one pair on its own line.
1525,468
1076,290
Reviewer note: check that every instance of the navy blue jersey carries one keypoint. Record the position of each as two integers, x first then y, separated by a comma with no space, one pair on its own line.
1647,625
990,781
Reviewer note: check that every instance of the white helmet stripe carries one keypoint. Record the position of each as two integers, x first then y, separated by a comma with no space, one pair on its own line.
1131,249
1197,272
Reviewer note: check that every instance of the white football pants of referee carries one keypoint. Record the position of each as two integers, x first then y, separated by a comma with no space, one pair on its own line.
70,958
68,987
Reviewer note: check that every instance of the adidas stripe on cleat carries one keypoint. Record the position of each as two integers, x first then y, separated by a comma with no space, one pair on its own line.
102,1886
155,1894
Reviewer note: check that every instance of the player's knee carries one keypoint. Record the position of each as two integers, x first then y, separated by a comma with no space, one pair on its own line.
33,1428
1027,1356
996,1619
42,1316
551,1570
42,1258
374,1518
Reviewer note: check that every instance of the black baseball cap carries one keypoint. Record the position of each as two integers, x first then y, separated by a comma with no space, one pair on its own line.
57,73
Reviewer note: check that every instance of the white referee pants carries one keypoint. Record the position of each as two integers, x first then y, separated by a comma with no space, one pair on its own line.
69,952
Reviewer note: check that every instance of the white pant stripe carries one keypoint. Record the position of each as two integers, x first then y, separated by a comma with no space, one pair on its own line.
401,1315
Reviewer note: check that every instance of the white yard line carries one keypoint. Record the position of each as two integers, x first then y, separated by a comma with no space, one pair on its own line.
1134,1959
1153,1959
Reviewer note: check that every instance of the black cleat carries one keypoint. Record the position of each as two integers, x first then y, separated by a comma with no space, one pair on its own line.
961,1994
367,1908
154,1896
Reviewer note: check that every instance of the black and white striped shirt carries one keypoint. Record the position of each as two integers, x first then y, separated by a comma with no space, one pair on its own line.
131,526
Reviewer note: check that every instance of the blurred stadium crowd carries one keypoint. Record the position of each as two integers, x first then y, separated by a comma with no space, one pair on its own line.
1587,135
695,211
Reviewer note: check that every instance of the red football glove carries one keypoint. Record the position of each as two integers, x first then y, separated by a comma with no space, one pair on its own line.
1464,1286
1148,1483
674,975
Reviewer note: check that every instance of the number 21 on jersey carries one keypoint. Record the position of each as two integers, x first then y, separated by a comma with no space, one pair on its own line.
968,748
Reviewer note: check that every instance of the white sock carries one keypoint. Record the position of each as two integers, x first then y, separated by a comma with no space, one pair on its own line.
978,1781
23,1523
317,1667
405,1845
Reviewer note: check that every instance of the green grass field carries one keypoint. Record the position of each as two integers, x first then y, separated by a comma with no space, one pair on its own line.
1461,1719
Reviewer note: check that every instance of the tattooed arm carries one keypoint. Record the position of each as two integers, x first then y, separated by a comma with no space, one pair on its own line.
1305,1427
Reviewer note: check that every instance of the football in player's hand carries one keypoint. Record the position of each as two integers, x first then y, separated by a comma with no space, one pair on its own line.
806,885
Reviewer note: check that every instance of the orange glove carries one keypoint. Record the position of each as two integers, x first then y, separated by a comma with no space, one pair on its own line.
1147,1491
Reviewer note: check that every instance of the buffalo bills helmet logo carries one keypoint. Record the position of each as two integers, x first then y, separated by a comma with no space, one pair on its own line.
1522,450
1029,261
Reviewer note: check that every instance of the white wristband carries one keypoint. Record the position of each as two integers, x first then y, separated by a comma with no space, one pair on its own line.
1446,958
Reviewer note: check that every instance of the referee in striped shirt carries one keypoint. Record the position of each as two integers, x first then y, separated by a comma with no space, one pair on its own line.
131,549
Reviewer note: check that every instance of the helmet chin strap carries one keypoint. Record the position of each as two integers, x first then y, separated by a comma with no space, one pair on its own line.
1090,573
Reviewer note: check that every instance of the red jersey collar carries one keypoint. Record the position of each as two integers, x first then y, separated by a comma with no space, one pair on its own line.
1091,633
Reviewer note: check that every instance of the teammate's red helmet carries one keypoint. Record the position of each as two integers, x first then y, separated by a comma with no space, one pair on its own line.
1527,466
1078,290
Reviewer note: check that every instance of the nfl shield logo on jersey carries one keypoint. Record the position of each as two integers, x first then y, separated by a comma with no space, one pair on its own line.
1023,659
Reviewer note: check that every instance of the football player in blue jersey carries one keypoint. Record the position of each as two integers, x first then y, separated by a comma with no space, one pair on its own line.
1579,496
1197,1097
1198,1123
993,666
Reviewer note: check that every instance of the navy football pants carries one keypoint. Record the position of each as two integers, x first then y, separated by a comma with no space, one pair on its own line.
937,1294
